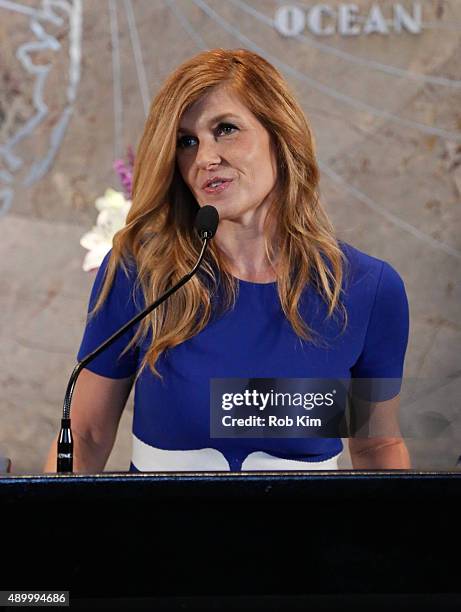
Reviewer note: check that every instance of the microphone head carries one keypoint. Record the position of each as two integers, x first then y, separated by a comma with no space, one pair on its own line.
206,221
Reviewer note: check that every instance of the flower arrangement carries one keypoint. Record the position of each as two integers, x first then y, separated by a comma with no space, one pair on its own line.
113,208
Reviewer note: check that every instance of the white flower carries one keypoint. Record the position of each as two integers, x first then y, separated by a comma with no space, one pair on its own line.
113,209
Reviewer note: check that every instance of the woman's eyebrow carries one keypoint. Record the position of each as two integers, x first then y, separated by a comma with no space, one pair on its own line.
213,120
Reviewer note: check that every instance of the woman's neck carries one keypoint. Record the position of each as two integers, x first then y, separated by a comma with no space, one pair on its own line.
246,254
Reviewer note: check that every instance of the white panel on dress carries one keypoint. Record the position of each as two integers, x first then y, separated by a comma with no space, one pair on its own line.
147,458
263,461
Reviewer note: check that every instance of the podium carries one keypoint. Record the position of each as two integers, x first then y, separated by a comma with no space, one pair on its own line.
267,540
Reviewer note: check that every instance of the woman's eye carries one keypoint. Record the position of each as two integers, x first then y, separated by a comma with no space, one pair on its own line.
226,125
182,142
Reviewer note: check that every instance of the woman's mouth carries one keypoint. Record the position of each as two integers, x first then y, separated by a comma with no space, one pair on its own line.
217,188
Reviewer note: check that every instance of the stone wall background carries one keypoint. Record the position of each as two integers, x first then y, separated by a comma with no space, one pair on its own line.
74,86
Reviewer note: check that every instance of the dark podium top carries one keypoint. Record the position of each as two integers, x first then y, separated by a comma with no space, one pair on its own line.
189,534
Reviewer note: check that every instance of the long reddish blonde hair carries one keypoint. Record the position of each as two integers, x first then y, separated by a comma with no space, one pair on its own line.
159,232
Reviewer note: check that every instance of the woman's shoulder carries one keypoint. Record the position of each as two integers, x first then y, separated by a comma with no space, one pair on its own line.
357,259
363,268
126,266
124,285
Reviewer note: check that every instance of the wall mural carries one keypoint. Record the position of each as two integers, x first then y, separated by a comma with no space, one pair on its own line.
59,11
38,18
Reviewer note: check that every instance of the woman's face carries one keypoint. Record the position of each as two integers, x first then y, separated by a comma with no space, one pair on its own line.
219,137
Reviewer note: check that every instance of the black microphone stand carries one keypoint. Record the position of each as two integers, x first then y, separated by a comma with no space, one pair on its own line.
65,441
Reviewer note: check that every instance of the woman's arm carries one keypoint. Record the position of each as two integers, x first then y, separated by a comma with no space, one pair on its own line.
384,448
380,454
97,406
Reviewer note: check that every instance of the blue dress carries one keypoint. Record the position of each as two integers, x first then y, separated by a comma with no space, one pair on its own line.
171,419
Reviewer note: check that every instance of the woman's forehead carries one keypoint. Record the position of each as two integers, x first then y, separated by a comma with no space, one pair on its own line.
211,109
218,99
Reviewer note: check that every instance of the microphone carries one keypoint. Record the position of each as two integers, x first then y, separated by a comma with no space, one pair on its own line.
206,223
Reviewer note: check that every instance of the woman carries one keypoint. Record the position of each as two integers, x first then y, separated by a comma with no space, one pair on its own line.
277,295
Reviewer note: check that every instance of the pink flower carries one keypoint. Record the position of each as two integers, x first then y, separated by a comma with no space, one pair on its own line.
124,170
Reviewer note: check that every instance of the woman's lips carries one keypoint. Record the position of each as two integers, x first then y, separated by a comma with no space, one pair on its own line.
218,189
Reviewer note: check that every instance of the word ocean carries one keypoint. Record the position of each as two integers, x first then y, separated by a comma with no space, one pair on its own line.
346,19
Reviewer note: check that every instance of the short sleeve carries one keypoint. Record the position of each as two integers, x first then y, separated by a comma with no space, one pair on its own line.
117,309
385,345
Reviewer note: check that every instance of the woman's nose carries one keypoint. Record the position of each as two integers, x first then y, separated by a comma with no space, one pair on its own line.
207,154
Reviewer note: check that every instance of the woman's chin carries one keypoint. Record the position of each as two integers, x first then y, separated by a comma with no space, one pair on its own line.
224,208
